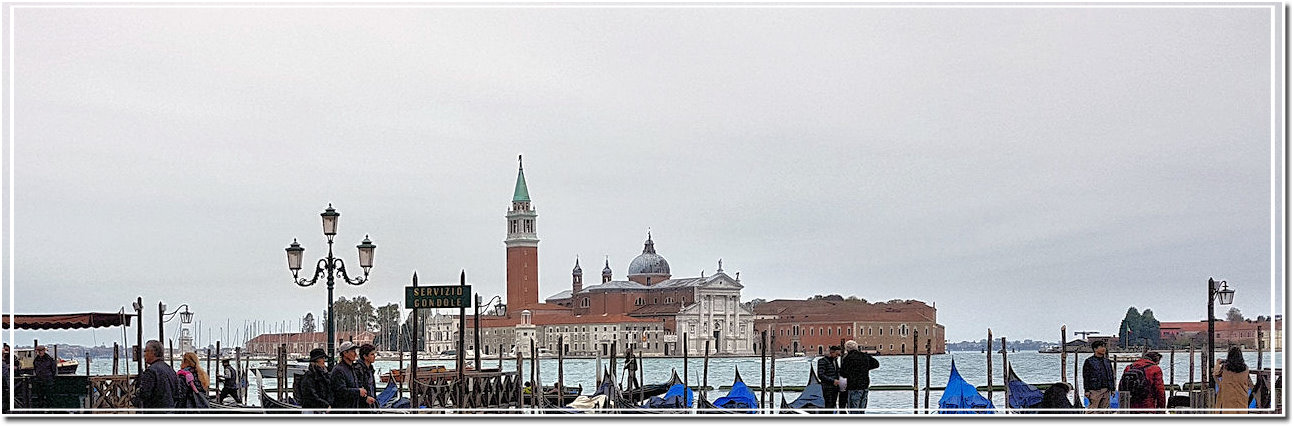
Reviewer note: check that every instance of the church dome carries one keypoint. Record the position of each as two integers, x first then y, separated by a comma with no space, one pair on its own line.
649,263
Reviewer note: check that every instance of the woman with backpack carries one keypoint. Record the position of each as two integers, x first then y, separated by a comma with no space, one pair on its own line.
1233,382
193,383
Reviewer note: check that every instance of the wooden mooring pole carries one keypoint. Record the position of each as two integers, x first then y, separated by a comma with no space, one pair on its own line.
1006,380
705,367
916,384
927,402
763,368
521,394
686,379
989,371
772,367
1190,353
116,357
1063,356
170,348
1078,400
561,384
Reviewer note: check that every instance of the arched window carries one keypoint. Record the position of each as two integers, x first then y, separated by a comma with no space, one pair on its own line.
903,330
584,303
639,302
669,300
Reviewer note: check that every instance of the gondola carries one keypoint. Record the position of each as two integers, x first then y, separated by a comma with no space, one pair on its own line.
740,400
811,398
271,404
552,398
960,397
222,408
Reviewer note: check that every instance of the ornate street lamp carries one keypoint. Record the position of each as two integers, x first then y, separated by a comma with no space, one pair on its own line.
164,317
330,267
1224,296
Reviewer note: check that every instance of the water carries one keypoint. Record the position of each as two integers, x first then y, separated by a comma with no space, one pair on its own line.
1032,367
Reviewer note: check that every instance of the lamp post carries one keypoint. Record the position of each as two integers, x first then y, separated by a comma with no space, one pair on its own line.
1224,296
476,325
164,317
330,267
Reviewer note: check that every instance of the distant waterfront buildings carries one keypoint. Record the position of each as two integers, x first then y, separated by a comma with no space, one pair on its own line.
813,326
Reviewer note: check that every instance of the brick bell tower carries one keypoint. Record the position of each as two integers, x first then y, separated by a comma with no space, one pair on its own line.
523,249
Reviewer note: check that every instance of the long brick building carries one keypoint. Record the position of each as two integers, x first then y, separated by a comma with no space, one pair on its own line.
813,326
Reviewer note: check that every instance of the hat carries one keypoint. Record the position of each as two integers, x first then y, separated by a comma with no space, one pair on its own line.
317,353
345,346
835,347
366,349
40,347
1153,356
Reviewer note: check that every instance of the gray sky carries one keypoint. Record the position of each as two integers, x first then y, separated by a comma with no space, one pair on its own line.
1022,168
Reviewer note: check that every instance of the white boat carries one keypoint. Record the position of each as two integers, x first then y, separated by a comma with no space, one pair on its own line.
271,371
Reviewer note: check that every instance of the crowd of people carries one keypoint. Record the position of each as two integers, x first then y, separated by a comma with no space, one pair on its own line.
350,385
1143,380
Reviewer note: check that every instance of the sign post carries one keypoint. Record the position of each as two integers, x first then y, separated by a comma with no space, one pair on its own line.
434,297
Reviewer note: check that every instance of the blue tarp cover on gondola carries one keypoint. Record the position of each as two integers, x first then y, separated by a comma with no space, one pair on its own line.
962,398
678,396
739,397
1023,395
812,395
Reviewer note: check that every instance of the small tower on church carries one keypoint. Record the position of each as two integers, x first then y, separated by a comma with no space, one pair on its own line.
606,271
577,277
523,248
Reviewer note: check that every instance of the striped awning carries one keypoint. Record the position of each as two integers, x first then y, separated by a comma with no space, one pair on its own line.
66,321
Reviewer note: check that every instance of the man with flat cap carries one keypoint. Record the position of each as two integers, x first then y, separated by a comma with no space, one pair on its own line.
347,391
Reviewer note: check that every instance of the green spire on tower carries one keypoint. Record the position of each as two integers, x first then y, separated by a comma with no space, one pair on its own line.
520,194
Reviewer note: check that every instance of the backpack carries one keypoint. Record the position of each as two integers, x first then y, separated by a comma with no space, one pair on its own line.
188,395
1134,381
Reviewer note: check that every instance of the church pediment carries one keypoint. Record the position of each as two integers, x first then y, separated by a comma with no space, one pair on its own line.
722,281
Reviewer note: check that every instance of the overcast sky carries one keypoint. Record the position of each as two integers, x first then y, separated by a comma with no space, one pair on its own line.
1021,168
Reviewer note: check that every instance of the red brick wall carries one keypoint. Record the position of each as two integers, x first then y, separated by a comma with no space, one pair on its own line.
523,278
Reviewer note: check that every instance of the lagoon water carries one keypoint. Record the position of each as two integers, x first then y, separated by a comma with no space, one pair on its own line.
1032,367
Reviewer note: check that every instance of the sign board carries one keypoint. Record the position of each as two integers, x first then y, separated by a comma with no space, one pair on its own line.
438,296
671,338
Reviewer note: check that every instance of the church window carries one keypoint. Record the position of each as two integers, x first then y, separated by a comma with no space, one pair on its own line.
639,302
669,300
880,331
655,300
584,303
903,330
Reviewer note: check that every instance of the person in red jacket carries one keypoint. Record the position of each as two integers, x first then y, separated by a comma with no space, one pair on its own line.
1155,401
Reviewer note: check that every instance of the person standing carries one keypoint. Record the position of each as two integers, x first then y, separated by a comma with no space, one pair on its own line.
856,368
347,392
367,355
315,389
229,377
829,377
158,383
44,368
1150,394
1098,378
1233,382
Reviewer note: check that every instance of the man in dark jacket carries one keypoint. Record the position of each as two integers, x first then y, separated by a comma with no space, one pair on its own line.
158,385
1098,378
367,355
315,389
230,378
856,368
829,377
45,368
347,392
